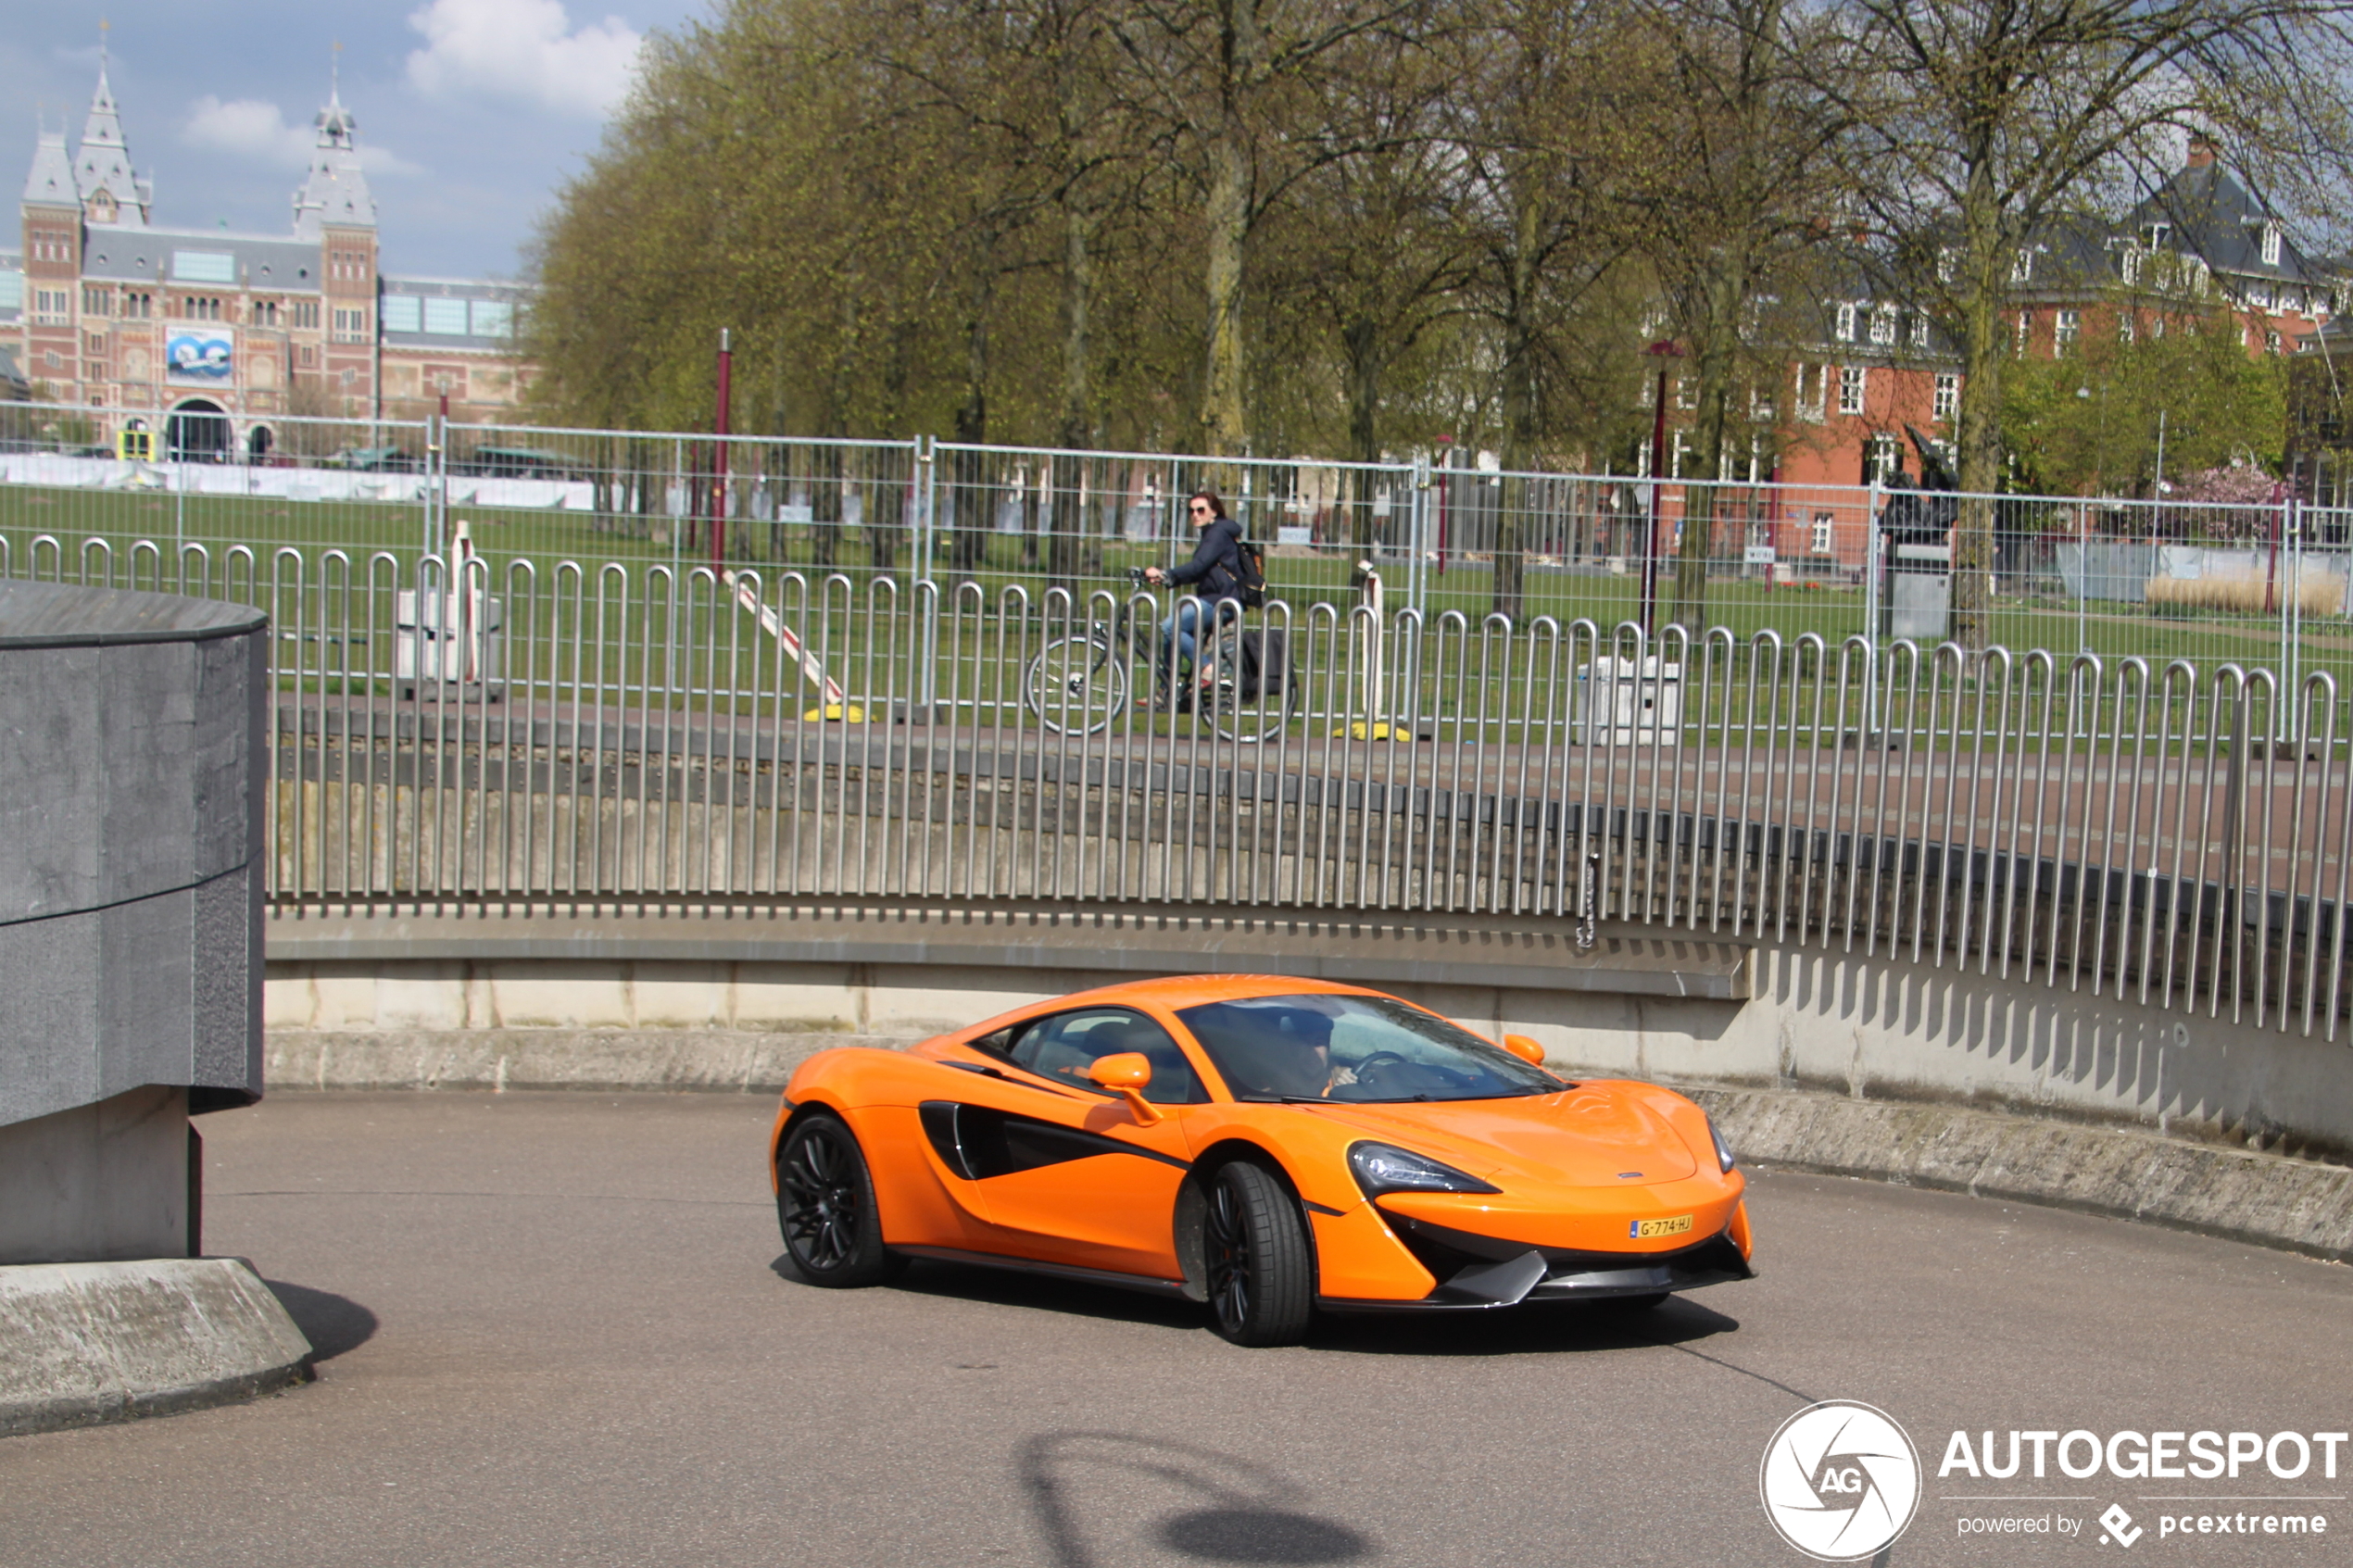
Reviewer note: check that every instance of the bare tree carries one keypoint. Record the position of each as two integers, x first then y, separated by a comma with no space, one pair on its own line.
1970,124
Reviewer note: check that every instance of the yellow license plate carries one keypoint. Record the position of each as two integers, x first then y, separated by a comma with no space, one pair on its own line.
1644,1230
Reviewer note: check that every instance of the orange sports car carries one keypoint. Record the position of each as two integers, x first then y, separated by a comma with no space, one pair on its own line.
1271,1147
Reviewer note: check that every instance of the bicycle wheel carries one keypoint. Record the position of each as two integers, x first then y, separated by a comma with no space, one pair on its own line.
1074,686
1243,710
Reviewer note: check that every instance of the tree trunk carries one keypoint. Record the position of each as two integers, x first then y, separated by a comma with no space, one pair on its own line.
972,512
1069,510
1714,367
1985,343
1362,342
1519,415
1224,431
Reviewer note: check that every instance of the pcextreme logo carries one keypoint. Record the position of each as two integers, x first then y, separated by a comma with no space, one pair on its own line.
1840,1480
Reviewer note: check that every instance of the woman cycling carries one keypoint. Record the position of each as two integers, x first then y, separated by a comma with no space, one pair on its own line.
1215,574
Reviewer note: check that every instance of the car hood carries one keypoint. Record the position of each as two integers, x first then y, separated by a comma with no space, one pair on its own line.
1599,1135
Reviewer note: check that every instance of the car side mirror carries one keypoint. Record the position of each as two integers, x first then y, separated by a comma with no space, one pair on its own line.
1525,1048
1125,1073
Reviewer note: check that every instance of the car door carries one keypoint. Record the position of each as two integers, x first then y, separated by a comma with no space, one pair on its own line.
1060,1169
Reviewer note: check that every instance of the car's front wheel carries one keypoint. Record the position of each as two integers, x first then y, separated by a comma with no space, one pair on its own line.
825,1206
1254,1252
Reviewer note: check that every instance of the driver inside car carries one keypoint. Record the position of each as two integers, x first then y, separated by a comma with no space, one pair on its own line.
1285,1053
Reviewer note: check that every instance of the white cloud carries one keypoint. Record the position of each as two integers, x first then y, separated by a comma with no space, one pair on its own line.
252,129
525,49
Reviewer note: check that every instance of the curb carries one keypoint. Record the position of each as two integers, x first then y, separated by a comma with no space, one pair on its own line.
2119,1173
82,1344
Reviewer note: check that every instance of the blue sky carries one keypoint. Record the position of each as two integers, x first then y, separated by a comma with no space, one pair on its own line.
472,112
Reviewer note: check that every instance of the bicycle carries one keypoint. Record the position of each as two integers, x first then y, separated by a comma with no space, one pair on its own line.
1077,683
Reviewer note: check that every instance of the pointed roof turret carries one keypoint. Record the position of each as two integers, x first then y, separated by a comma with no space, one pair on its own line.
102,176
335,193
51,182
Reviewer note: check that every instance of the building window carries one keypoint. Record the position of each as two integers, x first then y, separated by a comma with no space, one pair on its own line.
50,360
307,356
2156,234
2067,327
1920,328
2025,330
97,301
138,307
2271,245
52,308
94,372
1884,324
1879,459
491,318
1947,403
2260,296
305,313
2270,342
265,313
2022,267
1850,389
1947,264
1822,526
1845,323
2129,265
2126,328
351,325
1813,381
1761,405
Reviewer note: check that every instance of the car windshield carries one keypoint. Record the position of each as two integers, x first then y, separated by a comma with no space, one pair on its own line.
1356,1050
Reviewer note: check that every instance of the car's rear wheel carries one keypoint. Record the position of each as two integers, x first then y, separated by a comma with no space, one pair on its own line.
1260,1271
825,1206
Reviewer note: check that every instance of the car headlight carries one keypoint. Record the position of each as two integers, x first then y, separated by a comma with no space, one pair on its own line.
1382,1167
1723,1149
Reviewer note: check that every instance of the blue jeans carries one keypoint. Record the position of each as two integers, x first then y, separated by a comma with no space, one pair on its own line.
1181,629
1185,628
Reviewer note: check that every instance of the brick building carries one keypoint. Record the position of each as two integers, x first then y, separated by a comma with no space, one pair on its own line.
216,336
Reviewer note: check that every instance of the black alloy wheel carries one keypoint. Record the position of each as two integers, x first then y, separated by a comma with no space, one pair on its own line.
1261,1273
825,1206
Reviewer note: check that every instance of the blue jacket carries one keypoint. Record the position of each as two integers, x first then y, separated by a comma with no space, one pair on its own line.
1217,566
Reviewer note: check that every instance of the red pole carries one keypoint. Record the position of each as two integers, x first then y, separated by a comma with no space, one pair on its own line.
719,463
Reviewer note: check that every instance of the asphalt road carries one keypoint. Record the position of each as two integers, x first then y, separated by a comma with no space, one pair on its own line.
554,1330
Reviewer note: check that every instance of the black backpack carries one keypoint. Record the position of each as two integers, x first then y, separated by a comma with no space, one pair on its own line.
1250,579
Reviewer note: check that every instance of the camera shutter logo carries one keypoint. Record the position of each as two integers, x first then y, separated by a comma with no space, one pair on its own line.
1840,1480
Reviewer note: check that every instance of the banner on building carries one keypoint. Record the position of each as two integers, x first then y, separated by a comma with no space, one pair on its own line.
201,355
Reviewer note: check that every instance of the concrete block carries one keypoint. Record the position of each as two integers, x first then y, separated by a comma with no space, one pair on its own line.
101,1181
81,1343
563,996
432,998
675,995
796,997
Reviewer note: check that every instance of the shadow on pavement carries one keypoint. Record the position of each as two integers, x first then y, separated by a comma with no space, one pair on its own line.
1549,1329
1243,1512
1009,1288
1545,1329
332,1323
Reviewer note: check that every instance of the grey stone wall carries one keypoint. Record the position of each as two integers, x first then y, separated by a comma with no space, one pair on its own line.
131,764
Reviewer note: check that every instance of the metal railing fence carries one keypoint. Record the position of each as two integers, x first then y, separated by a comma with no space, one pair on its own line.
478,732
2252,584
